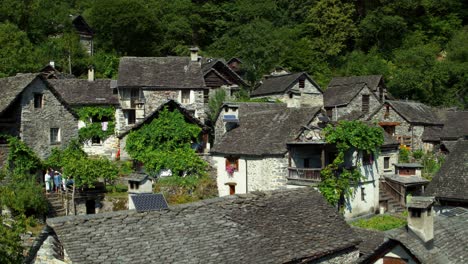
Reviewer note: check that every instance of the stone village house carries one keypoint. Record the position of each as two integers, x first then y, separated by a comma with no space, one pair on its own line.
354,97
293,89
289,226
34,111
443,138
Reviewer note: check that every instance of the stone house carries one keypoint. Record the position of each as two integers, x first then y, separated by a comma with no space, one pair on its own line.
354,97
218,75
406,121
250,151
144,83
91,93
85,32
293,89
202,142
34,111
443,138
289,226
450,184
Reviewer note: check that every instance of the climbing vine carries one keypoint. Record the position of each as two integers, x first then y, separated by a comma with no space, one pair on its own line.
337,179
96,129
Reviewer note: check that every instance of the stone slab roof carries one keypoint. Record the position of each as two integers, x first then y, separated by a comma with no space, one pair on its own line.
264,129
409,165
415,112
420,202
279,84
138,177
450,240
83,92
455,126
449,145
11,88
406,180
271,227
451,181
160,72
341,90
220,66
371,241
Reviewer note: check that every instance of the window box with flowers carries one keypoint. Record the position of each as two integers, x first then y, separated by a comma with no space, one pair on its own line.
232,165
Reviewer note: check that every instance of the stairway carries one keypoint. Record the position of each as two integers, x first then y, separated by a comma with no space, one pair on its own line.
56,207
393,206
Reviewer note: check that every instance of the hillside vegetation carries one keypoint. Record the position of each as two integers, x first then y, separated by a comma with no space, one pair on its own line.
420,46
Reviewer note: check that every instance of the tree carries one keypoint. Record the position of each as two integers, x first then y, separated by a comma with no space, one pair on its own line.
165,143
16,54
215,103
337,181
11,249
331,26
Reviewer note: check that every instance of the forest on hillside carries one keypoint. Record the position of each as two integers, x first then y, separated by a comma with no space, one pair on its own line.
420,46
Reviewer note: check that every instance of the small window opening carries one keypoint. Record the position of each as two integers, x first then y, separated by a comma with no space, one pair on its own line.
301,83
131,117
386,162
363,194
367,158
96,140
365,103
54,135
415,212
38,100
186,97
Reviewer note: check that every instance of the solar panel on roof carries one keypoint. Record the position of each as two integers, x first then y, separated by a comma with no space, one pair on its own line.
149,202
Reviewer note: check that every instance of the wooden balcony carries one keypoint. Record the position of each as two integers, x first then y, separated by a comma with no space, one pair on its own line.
304,174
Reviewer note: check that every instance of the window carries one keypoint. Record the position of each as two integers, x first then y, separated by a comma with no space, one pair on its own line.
135,93
367,158
232,162
96,140
415,212
330,113
365,103
130,116
38,100
134,185
301,83
206,96
291,96
386,163
54,135
306,163
363,194
389,129
186,97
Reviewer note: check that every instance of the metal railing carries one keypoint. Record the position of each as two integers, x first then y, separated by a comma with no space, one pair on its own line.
309,174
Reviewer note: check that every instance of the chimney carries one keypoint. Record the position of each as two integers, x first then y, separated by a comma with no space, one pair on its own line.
421,218
194,54
52,63
91,73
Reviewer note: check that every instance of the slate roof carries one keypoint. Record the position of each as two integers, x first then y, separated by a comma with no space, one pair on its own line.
84,92
406,180
279,84
371,241
449,145
450,240
138,177
341,90
81,26
11,88
451,181
455,126
218,65
270,227
415,112
409,165
420,202
264,129
160,72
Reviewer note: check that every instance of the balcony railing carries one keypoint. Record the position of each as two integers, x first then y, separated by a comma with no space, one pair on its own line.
308,174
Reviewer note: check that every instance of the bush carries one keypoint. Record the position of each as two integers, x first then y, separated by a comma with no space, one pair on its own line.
418,154
24,196
380,222
404,155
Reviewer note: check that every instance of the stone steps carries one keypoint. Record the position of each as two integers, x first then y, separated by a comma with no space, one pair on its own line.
393,206
56,207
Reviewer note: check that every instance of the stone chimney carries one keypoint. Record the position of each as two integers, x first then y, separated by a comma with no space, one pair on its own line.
52,63
91,73
194,54
421,218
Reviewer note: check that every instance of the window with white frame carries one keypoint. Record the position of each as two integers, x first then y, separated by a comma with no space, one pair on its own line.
54,135
185,97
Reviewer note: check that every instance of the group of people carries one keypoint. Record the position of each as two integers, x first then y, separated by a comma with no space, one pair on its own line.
54,181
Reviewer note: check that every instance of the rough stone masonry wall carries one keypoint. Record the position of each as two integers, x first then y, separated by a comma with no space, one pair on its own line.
37,122
356,105
267,173
403,129
108,147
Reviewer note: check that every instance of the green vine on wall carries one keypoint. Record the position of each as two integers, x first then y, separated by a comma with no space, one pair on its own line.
337,181
91,130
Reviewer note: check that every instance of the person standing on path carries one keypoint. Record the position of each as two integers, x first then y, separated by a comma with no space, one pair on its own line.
47,180
57,181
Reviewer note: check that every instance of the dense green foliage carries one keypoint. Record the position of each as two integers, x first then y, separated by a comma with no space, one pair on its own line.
215,103
165,143
179,190
21,159
337,180
86,171
11,249
94,129
380,223
419,46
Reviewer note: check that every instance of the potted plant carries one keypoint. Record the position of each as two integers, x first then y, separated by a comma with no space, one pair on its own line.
230,170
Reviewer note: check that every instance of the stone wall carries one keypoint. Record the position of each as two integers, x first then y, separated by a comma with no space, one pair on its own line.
254,174
393,155
356,105
107,148
37,122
